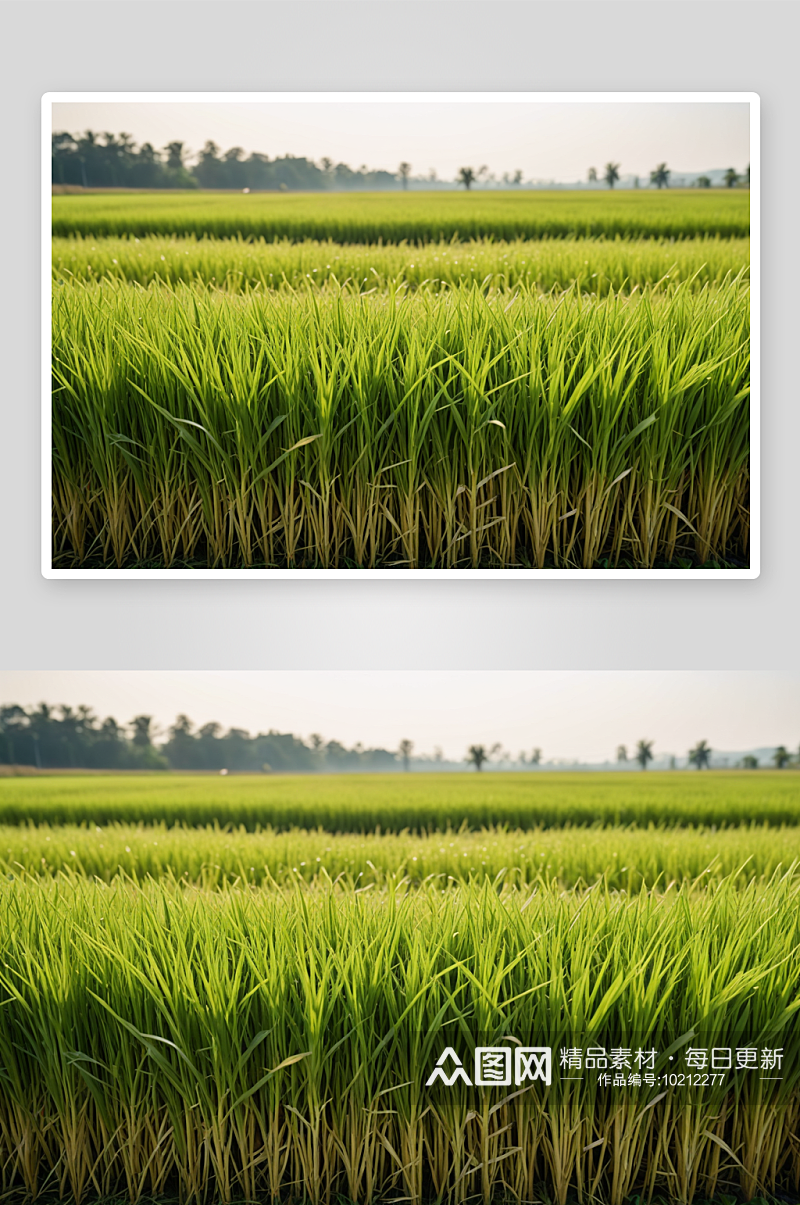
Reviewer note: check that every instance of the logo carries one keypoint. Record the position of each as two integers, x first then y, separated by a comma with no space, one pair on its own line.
494,1066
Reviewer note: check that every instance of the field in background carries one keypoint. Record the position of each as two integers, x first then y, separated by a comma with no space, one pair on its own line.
417,217
356,803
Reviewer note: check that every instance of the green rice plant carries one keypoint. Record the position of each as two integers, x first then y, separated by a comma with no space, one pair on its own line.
625,859
250,1044
415,217
421,803
598,265
324,427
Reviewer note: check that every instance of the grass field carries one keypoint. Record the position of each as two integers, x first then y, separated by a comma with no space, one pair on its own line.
417,217
436,381
625,858
364,803
446,430
213,1014
245,1045
597,266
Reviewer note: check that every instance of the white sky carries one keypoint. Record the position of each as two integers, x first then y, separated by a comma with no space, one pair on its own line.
552,140
567,714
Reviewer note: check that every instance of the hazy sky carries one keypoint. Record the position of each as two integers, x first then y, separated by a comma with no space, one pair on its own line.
553,140
567,714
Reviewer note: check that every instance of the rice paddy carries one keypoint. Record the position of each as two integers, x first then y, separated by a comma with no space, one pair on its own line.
498,392
624,858
204,1001
253,1045
391,803
416,217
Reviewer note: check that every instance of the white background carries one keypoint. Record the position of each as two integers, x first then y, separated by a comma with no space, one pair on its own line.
379,45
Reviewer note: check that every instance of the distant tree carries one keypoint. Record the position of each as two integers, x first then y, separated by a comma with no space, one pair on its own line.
536,757
622,753
700,756
781,757
591,175
517,176
635,181
142,731
749,762
175,155
660,176
611,174
404,171
476,756
644,753
466,176
406,747
747,175
703,182
730,178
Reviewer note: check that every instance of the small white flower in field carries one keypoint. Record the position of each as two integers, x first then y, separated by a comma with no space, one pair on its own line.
72,853
136,240
223,772
113,261
163,257
127,849
245,190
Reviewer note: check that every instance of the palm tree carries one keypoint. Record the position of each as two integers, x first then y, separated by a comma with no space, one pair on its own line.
644,753
730,178
660,176
476,756
404,171
591,175
466,176
612,174
622,753
781,757
700,756
405,749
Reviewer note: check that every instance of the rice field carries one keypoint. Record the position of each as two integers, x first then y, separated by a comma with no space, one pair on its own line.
250,1045
420,803
457,430
624,858
476,382
596,266
203,1001
416,217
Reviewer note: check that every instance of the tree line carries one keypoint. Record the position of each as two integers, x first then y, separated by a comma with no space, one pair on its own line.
659,177
63,737
92,160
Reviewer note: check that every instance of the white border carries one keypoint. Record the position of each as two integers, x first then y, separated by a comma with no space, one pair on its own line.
750,98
